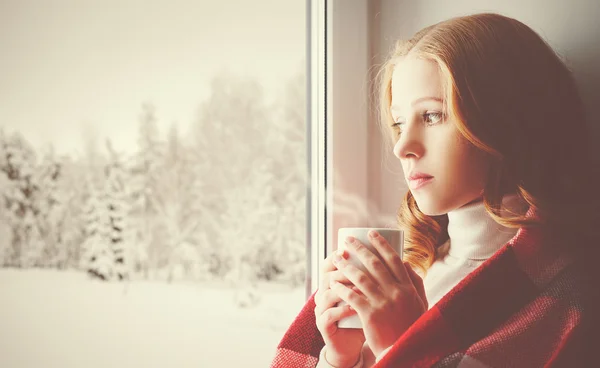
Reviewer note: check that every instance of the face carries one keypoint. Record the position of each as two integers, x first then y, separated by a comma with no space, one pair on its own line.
443,170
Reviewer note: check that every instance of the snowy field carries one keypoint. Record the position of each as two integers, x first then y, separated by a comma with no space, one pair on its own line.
63,319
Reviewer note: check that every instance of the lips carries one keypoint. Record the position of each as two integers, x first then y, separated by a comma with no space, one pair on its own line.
417,180
419,175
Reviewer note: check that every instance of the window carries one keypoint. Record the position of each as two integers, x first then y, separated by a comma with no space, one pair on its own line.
355,180
153,172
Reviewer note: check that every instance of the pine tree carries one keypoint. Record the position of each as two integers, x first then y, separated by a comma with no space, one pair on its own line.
118,210
287,143
69,214
50,208
174,202
144,171
96,257
6,232
19,165
250,217
230,143
253,213
105,248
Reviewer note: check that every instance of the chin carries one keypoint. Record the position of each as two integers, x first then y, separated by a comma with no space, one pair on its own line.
433,211
430,207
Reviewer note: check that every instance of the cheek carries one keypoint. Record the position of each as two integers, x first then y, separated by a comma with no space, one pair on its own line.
461,169
471,164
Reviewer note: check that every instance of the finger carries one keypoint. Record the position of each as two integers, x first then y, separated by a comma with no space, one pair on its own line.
336,275
356,300
328,264
339,276
359,278
375,266
327,321
418,283
329,267
391,258
327,299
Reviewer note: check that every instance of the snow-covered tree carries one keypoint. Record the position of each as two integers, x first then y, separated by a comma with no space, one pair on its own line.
36,205
145,173
251,159
68,215
6,233
226,199
229,143
250,218
174,202
96,258
50,208
118,210
18,165
5,238
231,130
286,254
105,254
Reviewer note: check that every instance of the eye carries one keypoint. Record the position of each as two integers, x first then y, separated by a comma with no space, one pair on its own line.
397,126
433,117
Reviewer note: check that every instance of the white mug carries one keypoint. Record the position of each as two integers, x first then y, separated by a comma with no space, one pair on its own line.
394,237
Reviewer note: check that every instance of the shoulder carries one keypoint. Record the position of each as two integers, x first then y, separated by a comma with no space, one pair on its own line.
578,291
550,326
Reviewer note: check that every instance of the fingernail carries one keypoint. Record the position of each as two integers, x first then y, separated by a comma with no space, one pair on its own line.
350,239
373,234
340,253
338,262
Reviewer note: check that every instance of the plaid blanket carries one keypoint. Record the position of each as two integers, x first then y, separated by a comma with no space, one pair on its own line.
524,307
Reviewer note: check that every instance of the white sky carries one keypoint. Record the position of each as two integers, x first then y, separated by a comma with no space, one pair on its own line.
68,64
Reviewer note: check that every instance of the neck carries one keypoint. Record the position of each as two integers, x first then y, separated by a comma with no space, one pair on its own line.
474,234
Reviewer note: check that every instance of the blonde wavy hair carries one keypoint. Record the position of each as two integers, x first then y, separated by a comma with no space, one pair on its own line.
512,97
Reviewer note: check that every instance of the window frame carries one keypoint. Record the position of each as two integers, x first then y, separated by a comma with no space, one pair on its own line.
316,110
339,102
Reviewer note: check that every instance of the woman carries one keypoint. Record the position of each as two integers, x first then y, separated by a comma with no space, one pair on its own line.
499,241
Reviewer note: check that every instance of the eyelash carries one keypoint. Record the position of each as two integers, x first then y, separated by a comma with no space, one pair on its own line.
424,117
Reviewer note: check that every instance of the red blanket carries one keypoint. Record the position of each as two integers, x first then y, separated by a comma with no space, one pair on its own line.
530,305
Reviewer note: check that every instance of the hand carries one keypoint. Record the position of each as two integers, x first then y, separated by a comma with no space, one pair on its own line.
391,298
343,345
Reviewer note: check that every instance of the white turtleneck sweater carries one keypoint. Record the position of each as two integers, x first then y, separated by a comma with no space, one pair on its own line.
474,237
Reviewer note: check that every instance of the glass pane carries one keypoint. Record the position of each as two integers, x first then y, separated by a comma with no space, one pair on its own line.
365,184
153,174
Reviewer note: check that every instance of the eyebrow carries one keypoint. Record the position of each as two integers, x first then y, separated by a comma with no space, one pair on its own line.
418,101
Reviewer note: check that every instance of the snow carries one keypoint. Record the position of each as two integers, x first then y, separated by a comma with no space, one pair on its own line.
65,319
224,200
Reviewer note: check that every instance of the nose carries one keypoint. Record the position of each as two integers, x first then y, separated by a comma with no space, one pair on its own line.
409,145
